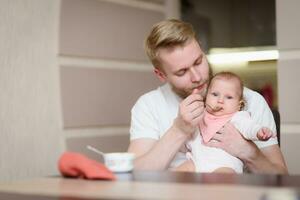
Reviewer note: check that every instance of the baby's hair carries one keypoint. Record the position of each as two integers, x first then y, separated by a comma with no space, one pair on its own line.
230,76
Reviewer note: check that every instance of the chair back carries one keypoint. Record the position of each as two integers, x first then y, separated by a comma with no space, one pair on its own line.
276,116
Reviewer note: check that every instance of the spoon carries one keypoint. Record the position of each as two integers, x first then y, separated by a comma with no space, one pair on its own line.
95,150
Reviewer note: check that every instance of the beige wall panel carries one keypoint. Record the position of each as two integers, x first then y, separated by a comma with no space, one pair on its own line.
290,150
289,90
114,143
30,116
96,28
288,41
94,96
288,23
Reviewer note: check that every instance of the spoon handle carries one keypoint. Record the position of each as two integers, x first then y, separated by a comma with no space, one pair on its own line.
95,150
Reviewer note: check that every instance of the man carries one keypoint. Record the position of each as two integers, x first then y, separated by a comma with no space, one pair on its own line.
164,119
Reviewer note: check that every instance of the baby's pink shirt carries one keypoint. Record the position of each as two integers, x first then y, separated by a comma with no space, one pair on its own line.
210,124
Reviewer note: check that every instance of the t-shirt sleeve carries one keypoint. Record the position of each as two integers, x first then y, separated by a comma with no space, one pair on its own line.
244,123
261,114
143,121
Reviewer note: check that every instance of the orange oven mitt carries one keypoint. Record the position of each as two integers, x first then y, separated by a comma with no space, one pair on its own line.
79,166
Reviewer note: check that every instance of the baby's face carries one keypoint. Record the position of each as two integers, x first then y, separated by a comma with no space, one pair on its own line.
223,96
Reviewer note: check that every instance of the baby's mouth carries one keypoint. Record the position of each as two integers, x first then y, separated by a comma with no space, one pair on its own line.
214,109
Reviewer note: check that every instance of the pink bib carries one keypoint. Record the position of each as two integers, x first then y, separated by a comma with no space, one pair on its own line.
210,124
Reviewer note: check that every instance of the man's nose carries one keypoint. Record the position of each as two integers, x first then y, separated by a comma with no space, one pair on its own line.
195,75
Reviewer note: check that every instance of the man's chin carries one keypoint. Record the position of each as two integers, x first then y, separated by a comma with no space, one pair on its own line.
201,92
184,94
201,89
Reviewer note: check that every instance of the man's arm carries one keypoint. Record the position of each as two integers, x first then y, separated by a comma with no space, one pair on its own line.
266,160
152,154
157,154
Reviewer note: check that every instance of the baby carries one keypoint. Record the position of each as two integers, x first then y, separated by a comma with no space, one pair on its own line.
224,101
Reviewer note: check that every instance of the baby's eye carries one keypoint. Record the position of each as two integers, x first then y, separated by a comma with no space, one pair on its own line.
229,97
214,94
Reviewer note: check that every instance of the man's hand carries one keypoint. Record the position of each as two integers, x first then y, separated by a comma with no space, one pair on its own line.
265,160
154,154
190,113
230,140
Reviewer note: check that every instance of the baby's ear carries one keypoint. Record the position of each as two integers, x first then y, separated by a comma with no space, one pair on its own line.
242,104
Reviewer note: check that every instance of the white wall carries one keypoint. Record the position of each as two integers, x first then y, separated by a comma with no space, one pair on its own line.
30,120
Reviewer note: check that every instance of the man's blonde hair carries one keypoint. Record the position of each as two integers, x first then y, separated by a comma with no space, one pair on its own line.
167,34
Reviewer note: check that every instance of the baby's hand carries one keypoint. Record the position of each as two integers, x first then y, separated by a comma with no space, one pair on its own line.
265,134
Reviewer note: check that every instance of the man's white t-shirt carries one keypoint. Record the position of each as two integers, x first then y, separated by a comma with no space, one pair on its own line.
154,113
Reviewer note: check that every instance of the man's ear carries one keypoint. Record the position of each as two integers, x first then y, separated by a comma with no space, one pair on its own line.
161,76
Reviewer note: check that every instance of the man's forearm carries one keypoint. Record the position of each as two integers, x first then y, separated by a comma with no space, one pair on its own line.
160,156
257,162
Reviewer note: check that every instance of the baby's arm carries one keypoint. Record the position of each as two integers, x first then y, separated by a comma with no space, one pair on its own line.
250,129
246,126
264,134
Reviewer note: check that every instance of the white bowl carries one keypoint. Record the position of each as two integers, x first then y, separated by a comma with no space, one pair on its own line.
119,162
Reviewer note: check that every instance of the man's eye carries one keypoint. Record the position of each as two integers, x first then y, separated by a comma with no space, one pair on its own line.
198,61
181,72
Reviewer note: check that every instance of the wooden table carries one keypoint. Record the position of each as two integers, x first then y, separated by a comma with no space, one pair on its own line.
157,185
